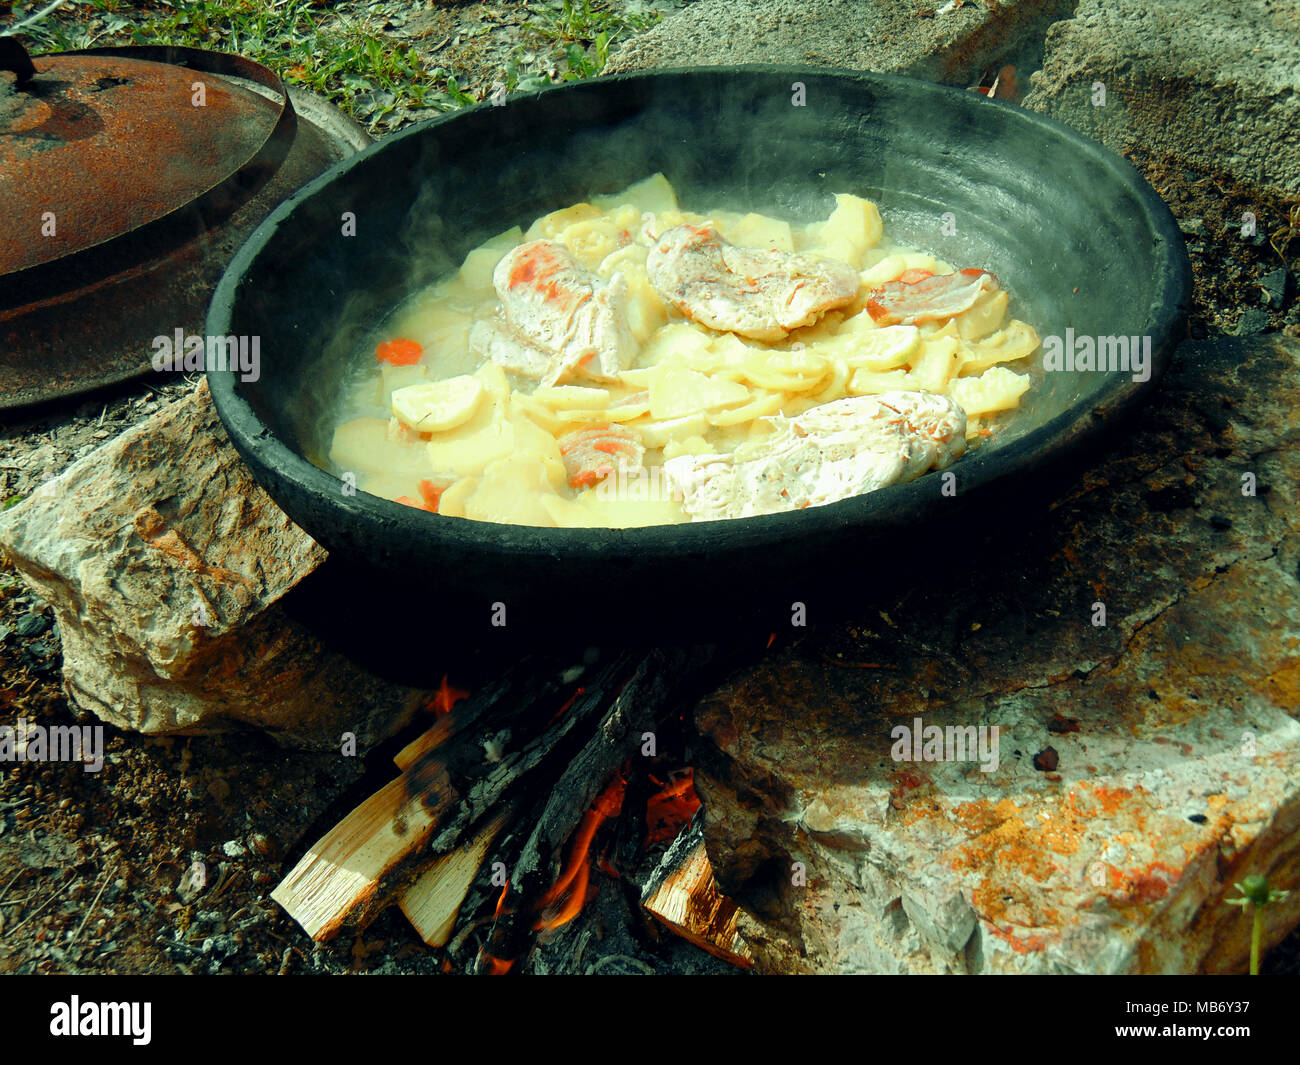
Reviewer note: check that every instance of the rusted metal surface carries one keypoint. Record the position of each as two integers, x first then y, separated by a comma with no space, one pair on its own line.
145,196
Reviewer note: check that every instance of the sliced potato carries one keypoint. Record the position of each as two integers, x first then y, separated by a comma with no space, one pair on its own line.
763,404
571,397
979,321
677,392
650,194
887,269
1015,341
761,231
476,271
362,446
549,226
494,380
646,312
532,440
853,228
882,349
467,450
622,412
633,513
511,491
539,413
864,382
691,445
675,339
590,240
938,361
656,432
451,503
996,389
436,406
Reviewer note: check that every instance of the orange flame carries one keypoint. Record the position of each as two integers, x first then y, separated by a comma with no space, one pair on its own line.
574,877
495,966
445,698
671,808
568,703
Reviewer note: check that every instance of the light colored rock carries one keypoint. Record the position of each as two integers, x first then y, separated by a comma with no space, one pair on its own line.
940,42
1214,85
1185,704
163,561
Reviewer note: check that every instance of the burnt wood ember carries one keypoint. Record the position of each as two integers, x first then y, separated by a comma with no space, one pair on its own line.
661,679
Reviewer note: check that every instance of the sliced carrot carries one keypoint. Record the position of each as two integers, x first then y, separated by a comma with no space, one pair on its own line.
399,351
431,494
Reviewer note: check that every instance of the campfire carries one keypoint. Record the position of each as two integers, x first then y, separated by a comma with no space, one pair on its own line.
510,806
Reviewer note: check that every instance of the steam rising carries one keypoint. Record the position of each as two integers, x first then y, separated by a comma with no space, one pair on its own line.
1048,227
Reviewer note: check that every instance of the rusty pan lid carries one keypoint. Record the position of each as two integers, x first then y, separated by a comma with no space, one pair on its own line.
128,178
97,143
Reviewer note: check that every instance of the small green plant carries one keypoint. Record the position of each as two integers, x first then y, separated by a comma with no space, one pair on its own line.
1256,892
12,501
582,36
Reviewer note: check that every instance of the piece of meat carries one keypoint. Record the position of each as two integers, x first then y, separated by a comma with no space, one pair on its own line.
594,452
559,320
930,299
826,454
753,292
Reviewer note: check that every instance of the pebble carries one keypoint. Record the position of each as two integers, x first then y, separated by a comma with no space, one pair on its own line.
192,882
1275,286
232,848
1253,321
32,624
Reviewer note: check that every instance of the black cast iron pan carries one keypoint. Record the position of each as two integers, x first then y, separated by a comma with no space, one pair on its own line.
1070,228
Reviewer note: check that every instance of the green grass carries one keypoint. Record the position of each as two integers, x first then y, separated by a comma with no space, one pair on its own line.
321,47
584,36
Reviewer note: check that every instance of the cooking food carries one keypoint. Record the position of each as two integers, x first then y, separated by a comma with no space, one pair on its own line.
559,319
829,452
761,293
625,362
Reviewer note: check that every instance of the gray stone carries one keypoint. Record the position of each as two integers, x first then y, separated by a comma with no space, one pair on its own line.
1176,723
164,562
1252,322
1276,283
1209,84
954,45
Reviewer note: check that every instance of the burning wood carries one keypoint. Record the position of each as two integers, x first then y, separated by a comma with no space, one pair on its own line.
433,902
527,771
641,705
338,881
684,896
